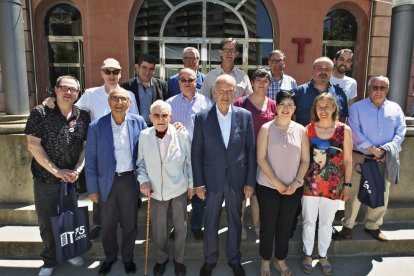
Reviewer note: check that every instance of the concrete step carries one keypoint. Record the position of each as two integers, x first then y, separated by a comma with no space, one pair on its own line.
26,214
25,242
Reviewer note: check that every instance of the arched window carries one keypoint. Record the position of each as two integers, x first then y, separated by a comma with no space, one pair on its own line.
340,30
165,28
63,28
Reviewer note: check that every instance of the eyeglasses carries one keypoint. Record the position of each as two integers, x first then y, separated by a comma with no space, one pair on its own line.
277,61
113,72
229,50
117,99
378,88
67,88
225,93
160,116
190,58
187,80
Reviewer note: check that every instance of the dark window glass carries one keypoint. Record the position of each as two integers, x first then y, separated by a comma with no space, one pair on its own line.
63,19
63,52
150,17
340,24
185,22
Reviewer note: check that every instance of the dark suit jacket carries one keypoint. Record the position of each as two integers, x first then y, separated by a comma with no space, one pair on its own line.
160,89
100,163
213,164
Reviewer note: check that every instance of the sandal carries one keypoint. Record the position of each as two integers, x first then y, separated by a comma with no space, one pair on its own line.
325,265
284,272
307,264
265,268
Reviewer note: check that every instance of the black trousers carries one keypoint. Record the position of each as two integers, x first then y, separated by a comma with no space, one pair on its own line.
120,207
277,214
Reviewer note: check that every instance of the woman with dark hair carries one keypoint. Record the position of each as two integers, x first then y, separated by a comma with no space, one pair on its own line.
283,159
263,110
328,179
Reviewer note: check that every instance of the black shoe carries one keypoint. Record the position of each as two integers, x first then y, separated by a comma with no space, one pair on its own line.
172,234
94,233
376,234
238,270
159,269
344,234
198,234
130,267
207,269
179,269
105,268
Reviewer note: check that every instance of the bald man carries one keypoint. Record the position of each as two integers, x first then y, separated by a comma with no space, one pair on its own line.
110,165
224,168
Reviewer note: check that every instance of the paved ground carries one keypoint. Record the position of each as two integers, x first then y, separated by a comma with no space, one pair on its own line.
343,266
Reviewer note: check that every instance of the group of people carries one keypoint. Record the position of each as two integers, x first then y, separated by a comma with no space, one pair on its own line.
212,139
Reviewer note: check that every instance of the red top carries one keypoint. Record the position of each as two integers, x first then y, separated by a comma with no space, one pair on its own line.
326,171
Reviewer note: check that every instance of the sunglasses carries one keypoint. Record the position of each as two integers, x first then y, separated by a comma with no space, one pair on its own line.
160,116
117,99
378,88
114,72
67,88
187,80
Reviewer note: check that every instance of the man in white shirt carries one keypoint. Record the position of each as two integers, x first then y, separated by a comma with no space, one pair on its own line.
228,52
342,64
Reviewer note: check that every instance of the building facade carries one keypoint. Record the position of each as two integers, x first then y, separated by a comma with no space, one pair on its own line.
73,37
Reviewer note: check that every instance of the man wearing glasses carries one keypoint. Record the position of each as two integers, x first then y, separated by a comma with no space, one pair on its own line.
95,101
378,130
145,87
228,51
279,79
191,59
184,108
110,165
52,134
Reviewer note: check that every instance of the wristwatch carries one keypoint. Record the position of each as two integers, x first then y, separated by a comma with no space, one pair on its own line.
348,184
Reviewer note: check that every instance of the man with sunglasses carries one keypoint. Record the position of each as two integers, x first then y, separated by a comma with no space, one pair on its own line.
191,59
228,52
56,138
279,79
378,130
145,87
110,166
184,108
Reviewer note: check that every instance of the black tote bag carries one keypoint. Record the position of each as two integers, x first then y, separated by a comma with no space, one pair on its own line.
371,188
71,227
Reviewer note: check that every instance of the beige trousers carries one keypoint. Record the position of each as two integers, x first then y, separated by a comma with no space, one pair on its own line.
374,217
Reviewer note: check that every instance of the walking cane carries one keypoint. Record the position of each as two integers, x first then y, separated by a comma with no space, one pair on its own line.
147,237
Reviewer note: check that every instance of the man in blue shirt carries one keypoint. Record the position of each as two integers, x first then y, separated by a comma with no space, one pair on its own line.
378,126
306,93
191,59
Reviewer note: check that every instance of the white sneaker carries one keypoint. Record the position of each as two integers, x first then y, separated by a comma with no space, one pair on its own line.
76,261
46,271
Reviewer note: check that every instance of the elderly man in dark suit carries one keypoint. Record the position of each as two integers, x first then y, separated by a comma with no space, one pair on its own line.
224,168
145,87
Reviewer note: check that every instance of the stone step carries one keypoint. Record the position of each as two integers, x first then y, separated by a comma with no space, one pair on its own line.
26,215
25,242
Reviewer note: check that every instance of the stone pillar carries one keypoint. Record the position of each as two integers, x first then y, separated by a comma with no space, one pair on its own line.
401,50
13,58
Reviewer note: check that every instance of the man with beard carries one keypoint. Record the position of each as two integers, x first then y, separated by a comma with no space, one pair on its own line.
306,93
343,63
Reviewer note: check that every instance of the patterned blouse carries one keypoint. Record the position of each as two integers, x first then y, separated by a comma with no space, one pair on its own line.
326,172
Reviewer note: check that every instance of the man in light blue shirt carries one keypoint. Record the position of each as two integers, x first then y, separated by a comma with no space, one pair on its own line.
185,106
375,122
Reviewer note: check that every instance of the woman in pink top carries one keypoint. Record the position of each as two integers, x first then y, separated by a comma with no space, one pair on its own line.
283,159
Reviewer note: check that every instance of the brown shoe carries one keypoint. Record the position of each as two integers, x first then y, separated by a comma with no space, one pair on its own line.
345,233
376,234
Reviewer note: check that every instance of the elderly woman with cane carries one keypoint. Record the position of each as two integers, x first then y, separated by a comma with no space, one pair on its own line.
328,179
165,175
